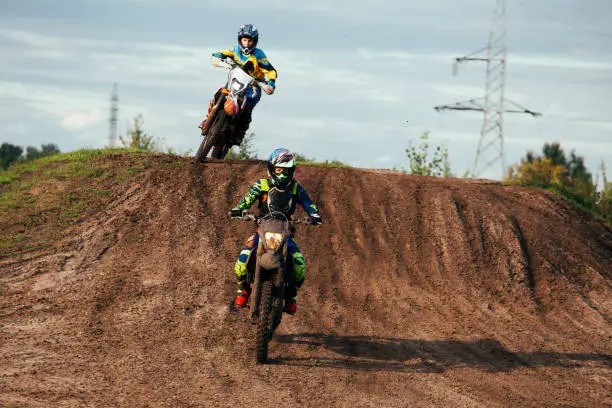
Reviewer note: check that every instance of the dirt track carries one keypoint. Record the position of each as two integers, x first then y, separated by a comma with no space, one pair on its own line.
420,292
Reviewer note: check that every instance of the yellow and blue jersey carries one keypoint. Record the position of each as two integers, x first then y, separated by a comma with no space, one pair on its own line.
255,64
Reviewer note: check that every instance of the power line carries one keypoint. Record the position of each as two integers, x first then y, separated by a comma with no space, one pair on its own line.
554,19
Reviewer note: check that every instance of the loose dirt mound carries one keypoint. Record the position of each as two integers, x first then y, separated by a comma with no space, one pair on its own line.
420,292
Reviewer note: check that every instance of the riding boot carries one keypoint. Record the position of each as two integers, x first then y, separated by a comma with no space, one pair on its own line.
242,125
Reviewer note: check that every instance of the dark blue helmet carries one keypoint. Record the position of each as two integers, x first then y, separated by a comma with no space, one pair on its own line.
248,31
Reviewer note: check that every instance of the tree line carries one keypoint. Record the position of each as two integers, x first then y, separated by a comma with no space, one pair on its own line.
567,175
553,169
10,153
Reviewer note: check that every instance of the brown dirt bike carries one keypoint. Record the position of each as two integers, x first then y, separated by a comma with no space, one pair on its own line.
269,276
221,124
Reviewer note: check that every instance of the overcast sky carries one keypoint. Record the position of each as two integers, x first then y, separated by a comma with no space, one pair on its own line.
357,79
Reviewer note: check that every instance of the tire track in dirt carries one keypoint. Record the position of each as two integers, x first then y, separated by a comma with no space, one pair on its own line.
420,292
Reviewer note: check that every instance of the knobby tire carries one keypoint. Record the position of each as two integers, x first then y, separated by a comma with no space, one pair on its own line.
264,331
216,131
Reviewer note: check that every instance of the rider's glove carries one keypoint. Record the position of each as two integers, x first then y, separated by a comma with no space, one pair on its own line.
271,86
315,219
236,212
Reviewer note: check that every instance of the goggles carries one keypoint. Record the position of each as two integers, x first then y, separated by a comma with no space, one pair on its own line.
281,170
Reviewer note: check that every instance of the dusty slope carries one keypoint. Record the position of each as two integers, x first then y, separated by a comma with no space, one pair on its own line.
420,292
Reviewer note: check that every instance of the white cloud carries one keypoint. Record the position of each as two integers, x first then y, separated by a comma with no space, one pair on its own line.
80,121
396,57
53,100
347,95
17,128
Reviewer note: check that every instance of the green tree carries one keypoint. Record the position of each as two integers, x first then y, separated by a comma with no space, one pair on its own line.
32,153
421,164
579,179
137,138
604,202
9,154
245,151
552,151
336,163
565,174
538,171
299,157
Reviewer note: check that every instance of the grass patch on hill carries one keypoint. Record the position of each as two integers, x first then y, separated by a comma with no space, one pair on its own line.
41,198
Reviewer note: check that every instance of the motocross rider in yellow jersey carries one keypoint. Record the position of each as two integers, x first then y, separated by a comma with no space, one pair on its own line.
255,63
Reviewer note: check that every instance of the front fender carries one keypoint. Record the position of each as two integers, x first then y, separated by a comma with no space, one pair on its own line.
270,260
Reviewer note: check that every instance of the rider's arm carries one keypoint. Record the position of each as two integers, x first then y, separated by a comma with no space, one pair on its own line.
254,193
305,201
224,54
265,66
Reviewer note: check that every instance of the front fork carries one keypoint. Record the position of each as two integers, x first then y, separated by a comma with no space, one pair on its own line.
278,283
255,294
216,105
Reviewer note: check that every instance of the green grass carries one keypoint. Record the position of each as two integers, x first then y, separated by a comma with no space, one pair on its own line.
89,164
72,170
73,212
79,163
101,193
82,155
566,194
16,198
6,242
5,178
333,163
51,193
174,164
32,220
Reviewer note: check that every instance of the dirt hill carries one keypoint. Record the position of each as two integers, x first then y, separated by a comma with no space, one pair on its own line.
116,286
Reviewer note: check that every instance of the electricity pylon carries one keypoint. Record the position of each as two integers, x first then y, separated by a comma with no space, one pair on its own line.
112,121
494,104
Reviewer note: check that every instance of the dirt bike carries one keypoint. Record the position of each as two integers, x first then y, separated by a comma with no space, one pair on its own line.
269,275
221,123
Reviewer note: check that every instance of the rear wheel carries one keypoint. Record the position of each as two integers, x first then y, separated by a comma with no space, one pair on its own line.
220,151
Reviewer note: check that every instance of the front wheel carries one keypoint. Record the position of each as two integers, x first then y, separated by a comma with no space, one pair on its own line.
277,313
216,131
264,331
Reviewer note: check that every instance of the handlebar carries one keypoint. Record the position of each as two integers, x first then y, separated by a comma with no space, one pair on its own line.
229,63
226,63
246,216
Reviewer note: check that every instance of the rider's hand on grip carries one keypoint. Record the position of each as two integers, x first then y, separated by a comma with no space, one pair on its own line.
269,87
315,219
236,212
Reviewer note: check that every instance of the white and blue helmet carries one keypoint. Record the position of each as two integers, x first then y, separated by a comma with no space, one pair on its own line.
281,167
